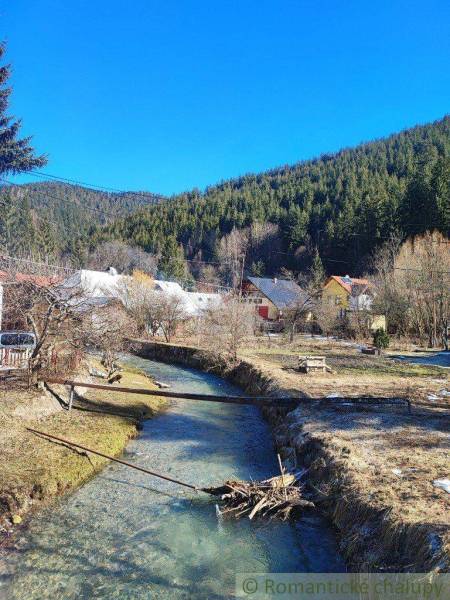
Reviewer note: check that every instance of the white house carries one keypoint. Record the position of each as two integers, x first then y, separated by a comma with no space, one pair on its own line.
98,287
194,303
95,284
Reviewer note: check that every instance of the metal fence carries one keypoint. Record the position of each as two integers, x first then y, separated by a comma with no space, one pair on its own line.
15,358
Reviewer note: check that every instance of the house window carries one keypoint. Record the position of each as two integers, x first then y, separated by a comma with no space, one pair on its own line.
338,300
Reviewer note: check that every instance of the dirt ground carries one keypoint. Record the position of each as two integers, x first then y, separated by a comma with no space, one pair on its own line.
394,457
34,469
354,373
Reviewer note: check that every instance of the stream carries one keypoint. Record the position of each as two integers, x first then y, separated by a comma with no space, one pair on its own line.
127,535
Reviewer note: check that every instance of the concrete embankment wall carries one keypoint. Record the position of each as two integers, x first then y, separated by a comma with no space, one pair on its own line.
371,538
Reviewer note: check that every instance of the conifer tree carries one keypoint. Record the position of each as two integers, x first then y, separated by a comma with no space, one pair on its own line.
172,263
46,239
20,231
317,271
16,154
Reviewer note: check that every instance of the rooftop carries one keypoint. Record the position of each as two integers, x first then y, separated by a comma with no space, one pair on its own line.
281,292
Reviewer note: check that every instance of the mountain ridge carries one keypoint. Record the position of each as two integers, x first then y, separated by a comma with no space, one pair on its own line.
344,203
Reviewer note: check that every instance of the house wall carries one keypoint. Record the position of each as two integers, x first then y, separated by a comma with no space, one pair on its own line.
252,296
336,295
361,302
260,301
378,322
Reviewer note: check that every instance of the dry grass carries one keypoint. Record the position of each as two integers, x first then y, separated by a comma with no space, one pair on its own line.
390,457
354,373
35,470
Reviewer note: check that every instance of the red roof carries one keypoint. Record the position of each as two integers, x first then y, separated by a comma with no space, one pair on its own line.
343,281
39,280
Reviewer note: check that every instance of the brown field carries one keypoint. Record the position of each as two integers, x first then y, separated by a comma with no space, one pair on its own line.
393,456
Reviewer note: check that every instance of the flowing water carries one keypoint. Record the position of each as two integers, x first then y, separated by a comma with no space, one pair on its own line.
127,535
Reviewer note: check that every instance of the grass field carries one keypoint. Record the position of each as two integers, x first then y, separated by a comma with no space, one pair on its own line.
34,470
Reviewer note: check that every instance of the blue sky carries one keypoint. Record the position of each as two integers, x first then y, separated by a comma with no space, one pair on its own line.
166,96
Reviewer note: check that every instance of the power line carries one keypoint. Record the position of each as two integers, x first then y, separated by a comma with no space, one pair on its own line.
61,199
96,187
34,263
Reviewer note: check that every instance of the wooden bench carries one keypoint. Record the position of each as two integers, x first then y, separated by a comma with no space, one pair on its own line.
312,363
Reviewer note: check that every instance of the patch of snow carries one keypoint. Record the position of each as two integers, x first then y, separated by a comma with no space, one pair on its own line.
443,484
160,384
433,397
334,395
397,472
444,393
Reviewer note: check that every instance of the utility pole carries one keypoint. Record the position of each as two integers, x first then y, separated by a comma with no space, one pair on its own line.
242,273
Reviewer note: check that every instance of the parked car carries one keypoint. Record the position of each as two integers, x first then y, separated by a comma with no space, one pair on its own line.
17,339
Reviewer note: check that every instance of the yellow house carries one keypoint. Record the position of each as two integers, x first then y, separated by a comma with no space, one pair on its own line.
337,291
350,296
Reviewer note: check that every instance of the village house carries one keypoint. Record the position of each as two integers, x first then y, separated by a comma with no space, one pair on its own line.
194,303
351,296
270,296
102,287
95,284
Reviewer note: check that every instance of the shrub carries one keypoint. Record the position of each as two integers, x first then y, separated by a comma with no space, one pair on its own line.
381,339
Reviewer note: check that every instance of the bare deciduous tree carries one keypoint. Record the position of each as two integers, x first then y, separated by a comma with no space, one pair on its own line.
306,303
107,329
225,328
124,258
414,287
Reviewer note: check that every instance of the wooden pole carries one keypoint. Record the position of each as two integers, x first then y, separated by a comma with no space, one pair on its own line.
72,389
277,402
258,400
117,460
282,475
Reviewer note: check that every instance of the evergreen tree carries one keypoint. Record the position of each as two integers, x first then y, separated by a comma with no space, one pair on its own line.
440,190
318,274
46,239
19,227
16,155
172,264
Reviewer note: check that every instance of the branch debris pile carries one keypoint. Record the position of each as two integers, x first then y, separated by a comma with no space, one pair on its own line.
277,497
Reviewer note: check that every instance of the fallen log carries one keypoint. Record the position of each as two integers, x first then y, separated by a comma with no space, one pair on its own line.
276,497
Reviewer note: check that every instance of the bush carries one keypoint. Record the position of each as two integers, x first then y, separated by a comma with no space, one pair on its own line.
381,339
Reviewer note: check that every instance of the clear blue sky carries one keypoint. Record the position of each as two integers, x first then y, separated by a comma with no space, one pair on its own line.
166,95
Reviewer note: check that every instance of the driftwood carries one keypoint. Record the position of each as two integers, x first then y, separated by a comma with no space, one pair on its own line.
272,498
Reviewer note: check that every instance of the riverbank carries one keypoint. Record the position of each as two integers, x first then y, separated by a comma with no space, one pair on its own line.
34,470
372,470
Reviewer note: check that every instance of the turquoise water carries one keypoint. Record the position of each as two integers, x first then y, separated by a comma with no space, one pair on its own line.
130,536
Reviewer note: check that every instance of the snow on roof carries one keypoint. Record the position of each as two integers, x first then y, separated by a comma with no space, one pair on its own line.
281,292
194,303
95,283
203,301
170,287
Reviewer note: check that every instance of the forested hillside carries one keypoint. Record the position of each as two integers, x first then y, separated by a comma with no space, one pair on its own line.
48,218
345,204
